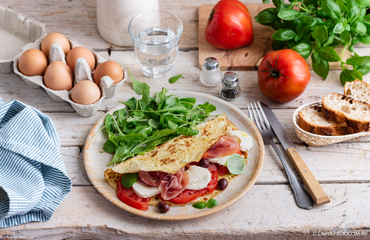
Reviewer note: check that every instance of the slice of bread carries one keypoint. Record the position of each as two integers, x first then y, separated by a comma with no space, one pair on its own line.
312,120
342,109
358,90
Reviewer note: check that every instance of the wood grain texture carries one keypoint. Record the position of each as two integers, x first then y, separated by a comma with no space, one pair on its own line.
245,58
313,186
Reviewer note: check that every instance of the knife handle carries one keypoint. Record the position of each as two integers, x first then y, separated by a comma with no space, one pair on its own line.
317,193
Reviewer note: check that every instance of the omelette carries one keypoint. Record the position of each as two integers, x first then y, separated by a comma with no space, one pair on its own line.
166,164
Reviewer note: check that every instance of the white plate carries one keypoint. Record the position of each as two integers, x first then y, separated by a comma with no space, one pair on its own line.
96,163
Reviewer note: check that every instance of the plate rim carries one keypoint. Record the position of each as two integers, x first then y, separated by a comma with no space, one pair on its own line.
187,216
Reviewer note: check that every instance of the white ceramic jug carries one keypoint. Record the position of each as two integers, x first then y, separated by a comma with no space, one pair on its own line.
115,15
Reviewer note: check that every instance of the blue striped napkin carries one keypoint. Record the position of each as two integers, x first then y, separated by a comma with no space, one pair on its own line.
33,177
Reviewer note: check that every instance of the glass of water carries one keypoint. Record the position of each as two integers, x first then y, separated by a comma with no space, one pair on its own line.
155,36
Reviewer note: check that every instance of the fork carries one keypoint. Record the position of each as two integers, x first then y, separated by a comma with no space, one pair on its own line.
255,112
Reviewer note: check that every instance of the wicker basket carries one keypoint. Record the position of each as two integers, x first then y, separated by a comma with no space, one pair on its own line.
319,140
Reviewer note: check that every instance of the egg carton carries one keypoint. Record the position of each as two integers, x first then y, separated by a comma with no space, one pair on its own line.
16,31
108,89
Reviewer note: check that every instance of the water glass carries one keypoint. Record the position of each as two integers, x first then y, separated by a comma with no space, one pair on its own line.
155,36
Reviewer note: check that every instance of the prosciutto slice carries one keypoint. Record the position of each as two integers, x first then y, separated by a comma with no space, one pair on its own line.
170,185
225,146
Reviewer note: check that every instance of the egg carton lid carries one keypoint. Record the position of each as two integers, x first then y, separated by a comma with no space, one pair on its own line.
16,31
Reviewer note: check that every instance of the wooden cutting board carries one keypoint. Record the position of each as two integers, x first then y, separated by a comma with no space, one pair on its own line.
245,58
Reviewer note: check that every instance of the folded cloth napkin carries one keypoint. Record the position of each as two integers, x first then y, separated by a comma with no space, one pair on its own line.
33,177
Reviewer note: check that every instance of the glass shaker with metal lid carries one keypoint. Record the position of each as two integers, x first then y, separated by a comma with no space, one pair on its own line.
230,86
211,74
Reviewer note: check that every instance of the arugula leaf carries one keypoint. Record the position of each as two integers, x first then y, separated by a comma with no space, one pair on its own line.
175,78
208,108
121,152
161,96
109,147
153,123
146,99
199,205
172,125
188,131
211,203
108,123
132,137
236,164
129,179
136,85
131,103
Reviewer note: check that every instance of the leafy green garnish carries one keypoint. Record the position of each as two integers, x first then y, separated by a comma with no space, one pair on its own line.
236,164
175,78
199,205
129,179
209,204
150,121
212,203
316,27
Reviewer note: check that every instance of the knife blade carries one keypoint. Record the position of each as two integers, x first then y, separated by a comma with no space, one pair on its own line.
317,193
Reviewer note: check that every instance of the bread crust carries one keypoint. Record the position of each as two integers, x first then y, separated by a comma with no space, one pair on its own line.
334,130
339,117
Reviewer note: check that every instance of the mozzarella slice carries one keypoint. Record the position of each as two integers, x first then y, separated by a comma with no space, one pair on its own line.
199,177
144,190
246,140
221,160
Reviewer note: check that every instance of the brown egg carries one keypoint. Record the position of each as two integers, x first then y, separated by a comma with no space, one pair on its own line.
55,38
85,92
32,62
58,76
109,68
80,52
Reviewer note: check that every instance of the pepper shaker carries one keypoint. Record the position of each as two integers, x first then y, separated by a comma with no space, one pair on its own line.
211,74
230,86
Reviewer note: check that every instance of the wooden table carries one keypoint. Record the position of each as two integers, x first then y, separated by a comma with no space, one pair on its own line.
268,210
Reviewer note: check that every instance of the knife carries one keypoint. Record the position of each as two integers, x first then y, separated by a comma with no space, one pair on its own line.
315,190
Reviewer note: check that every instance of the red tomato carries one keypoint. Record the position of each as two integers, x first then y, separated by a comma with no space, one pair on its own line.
190,195
229,25
129,197
283,75
222,170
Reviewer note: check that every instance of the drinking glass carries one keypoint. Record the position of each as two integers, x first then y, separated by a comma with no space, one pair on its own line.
155,36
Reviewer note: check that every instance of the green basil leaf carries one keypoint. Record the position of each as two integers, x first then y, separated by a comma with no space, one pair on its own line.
339,28
188,131
304,49
349,76
342,6
329,54
212,203
367,17
363,3
277,45
129,179
311,22
277,25
278,3
320,33
109,147
353,14
358,61
266,16
364,39
175,78
199,205
359,28
332,9
236,164
346,37
364,69
283,35
320,66
153,123
289,14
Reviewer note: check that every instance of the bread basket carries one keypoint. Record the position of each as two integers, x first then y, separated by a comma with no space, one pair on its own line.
319,140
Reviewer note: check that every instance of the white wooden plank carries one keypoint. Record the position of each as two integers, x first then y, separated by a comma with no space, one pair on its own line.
269,208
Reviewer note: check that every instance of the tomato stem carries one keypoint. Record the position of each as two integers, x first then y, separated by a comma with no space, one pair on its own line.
273,71
211,15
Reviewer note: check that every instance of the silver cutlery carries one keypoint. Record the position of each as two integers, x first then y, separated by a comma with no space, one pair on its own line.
257,115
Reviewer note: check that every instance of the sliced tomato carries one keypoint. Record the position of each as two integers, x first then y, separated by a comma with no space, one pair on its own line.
129,197
222,170
213,183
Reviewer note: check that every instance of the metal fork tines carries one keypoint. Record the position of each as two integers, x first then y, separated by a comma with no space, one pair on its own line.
257,115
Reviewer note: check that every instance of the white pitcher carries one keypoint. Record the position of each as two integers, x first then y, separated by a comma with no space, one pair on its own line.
115,15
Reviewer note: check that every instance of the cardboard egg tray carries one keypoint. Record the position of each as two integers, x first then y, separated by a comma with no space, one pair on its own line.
15,20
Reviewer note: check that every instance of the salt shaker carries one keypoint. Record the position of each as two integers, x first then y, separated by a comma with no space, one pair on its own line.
211,74
230,86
